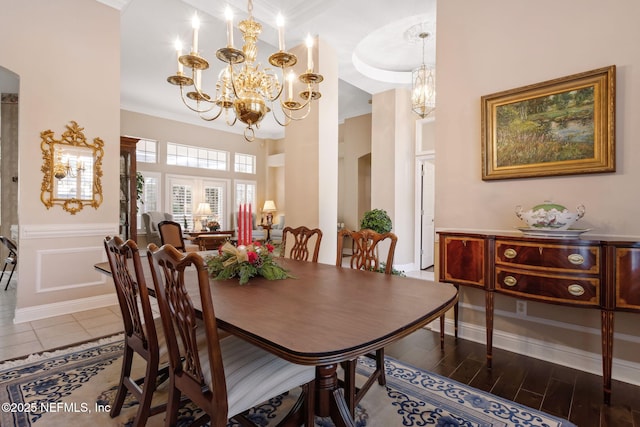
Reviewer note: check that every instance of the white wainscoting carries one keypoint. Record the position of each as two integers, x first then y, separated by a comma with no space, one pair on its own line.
622,370
67,268
56,231
77,273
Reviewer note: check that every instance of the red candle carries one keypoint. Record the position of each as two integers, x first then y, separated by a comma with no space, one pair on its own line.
244,224
250,227
240,231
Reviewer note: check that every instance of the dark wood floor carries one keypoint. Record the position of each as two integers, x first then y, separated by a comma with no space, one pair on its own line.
564,392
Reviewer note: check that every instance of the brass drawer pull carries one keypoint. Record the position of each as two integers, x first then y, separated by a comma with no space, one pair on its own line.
576,290
510,253
510,281
576,259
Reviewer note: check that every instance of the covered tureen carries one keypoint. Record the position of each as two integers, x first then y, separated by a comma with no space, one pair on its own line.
550,216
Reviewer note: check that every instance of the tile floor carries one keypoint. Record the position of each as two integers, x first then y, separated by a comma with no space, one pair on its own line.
22,339
31,337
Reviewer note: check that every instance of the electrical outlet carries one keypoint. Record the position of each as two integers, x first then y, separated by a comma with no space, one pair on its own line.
521,307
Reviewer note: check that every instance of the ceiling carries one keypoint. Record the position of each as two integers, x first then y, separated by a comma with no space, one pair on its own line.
370,38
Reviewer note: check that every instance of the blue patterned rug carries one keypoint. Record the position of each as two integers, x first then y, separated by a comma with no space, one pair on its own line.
74,388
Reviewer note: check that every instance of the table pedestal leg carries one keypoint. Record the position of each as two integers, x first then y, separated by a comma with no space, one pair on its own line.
330,400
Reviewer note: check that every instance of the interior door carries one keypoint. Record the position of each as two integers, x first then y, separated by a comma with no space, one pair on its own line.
427,215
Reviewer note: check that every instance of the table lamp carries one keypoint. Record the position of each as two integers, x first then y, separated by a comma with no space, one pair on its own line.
203,211
269,207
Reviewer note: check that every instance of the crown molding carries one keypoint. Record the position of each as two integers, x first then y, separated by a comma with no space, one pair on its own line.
116,4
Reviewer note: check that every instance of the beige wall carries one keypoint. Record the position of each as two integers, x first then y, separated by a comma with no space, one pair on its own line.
67,55
494,45
355,146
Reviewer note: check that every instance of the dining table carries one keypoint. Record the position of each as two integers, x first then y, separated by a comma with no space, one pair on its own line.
323,315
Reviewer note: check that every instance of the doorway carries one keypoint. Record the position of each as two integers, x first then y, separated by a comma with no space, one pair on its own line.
426,167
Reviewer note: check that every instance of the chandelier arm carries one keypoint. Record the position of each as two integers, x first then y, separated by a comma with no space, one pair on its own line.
196,110
210,119
289,113
283,123
199,91
298,108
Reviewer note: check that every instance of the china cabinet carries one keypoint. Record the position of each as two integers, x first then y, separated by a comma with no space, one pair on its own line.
128,193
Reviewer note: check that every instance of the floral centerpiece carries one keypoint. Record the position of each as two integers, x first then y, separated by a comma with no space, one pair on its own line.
245,262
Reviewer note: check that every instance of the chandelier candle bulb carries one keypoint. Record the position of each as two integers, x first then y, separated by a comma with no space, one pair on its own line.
228,13
309,53
290,78
280,23
179,54
195,22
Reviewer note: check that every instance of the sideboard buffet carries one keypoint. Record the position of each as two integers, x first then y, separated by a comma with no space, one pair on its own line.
582,272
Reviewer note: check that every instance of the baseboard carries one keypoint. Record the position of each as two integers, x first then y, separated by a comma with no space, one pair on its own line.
622,370
65,307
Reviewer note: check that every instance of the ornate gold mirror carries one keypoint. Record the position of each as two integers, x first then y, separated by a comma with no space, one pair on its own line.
72,170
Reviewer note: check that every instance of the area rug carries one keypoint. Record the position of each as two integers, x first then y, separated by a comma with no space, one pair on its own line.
74,387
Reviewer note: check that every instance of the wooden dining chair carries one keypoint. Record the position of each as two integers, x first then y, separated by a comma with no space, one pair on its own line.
302,237
365,246
171,233
223,376
142,333
11,259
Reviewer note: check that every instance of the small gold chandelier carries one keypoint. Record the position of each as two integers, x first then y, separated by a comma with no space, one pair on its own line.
243,91
423,92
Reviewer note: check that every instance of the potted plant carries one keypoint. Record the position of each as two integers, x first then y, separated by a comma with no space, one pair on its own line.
377,220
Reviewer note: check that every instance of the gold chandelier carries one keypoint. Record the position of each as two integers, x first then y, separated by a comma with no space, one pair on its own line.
423,81
243,91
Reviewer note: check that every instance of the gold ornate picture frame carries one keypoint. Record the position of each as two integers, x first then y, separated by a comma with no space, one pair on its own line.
72,169
564,126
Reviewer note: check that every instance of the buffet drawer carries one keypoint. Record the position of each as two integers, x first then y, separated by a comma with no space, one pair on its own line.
548,256
557,288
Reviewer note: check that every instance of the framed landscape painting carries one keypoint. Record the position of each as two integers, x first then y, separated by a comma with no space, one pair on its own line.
559,127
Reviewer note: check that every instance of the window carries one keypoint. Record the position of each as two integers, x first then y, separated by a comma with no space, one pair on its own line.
147,151
181,205
196,157
245,193
245,163
187,192
150,195
214,194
